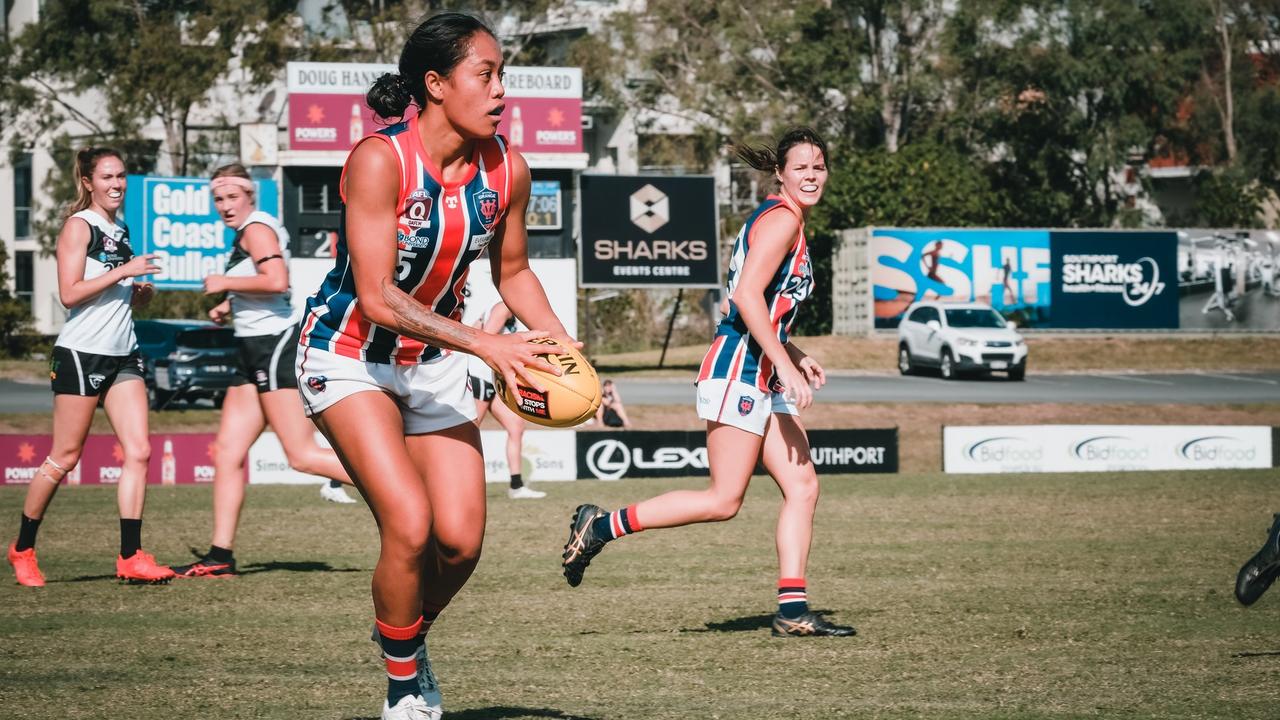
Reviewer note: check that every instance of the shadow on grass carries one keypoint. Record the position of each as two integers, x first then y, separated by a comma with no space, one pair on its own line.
504,713
1269,653
749,623
250,569
294,566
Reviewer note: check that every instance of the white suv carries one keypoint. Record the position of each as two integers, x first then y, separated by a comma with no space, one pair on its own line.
955,337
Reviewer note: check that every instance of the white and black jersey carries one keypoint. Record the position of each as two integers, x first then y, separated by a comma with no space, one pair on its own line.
255,314
102,324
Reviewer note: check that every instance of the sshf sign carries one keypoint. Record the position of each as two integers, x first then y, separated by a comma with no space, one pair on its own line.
175,219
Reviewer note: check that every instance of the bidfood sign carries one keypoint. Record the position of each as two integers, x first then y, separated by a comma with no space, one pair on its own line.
175,219
1085,448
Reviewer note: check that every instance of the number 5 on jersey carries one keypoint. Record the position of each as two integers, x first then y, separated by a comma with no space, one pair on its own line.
403,264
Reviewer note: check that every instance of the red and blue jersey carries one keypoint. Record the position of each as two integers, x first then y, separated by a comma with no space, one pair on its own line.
734,354
440,230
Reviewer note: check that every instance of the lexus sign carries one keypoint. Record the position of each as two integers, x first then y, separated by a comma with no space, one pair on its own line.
649,231
619,455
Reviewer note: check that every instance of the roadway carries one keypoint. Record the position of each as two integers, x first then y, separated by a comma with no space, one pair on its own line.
1093,388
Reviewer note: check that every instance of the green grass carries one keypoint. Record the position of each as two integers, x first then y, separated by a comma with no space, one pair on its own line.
1051,596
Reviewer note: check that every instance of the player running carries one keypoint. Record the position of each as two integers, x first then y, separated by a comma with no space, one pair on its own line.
423,199
256,281
95,358
752,384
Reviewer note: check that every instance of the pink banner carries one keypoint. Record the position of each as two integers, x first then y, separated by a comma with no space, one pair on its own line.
176,459
337,122
543,125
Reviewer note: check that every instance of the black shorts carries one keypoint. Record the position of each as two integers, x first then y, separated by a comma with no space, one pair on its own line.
268,361
481,389
72,372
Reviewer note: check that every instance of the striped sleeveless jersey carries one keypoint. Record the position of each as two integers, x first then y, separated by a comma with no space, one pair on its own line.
440,230
734,354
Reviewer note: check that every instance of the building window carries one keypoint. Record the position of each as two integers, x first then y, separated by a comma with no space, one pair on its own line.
24,276
22,196
318,197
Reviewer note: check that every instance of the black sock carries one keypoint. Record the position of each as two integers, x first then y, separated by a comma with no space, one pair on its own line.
130,537
335,484
219,554
516,481
27,533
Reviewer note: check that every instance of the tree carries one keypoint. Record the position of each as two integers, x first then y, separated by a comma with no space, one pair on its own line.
143,59
15,315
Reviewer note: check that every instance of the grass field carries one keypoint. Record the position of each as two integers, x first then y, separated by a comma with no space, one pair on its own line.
1050,596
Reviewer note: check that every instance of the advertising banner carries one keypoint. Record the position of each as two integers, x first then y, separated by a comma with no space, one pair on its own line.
547,455
176,459
175,219
1227,279
327,110
649,231
1095,448
1113,279
1008,269
646,454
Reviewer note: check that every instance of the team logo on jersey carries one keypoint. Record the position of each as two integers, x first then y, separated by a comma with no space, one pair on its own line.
417,211
109,244
95,379
317,383
486,202
745,405
451,201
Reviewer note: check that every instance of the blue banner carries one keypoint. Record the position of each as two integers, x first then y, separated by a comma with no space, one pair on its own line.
1115,279
175,219
1008,269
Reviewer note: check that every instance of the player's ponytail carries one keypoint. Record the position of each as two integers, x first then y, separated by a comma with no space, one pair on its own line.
86,162
438,45
770,160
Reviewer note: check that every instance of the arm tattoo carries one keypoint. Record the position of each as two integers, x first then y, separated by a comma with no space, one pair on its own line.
416,321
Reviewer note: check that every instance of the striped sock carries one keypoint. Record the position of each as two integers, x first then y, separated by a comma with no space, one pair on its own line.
617,523
792,600
400,645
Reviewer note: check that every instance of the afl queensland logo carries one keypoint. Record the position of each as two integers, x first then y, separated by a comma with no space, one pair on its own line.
486,202
417,210
109,244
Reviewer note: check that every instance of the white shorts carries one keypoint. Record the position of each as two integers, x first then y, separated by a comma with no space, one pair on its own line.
432,396
741,405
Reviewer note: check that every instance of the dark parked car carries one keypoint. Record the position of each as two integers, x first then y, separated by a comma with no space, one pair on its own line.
186,360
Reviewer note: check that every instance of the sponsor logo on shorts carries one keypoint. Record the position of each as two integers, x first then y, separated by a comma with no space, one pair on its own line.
317,383
746,405
95,379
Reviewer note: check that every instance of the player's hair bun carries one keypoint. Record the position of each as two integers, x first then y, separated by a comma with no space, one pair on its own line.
390,96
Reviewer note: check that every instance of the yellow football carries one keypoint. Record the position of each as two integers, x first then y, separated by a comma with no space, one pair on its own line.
570,398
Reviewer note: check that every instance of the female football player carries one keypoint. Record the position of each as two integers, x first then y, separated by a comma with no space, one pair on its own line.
752,384
96,358
376,362
256,281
